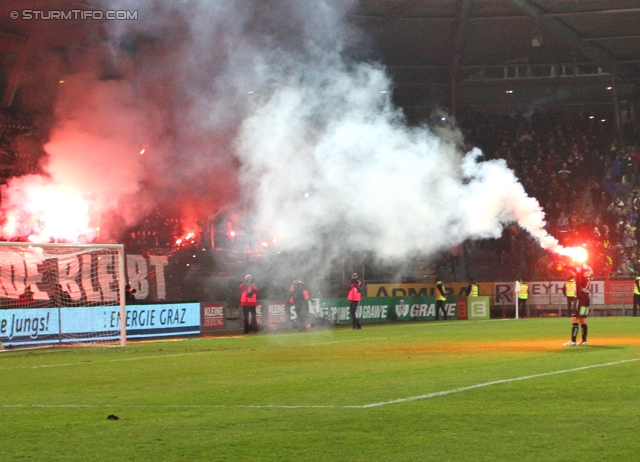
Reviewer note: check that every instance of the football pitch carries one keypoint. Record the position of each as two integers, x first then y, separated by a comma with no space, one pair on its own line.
500,390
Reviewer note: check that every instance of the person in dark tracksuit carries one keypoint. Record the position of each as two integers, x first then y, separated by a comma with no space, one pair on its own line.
581,308
299,297
579,317
354,295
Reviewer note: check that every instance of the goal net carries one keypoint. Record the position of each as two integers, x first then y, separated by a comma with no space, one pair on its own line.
61,294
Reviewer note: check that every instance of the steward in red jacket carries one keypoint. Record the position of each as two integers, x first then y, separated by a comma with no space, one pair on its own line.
248,301
354,296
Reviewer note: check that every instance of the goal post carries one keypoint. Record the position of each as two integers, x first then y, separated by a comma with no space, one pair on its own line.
62,294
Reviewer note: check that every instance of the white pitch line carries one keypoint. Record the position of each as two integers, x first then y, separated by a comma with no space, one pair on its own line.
495,382
320,406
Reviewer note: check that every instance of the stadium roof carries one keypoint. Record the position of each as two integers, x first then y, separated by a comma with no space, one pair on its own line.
466,34
430,46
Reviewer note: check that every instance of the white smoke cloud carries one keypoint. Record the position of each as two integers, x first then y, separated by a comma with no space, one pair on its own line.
334,154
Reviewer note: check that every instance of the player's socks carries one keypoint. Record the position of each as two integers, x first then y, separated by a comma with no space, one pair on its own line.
584,333
574,331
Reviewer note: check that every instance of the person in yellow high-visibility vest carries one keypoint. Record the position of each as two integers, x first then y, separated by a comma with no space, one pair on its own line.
636,295
569,291
523,295
441,297
473,290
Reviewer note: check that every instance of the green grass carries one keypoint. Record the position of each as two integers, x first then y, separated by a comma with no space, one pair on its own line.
300,396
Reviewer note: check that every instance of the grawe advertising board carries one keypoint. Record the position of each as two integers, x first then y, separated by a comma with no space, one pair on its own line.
329,308
369,310
376,309
418,308
544,293
337,310
43,326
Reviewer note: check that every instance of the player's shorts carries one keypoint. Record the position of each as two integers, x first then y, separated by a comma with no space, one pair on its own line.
583,312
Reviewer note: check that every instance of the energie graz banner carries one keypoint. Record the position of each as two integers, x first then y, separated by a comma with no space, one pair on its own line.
97,323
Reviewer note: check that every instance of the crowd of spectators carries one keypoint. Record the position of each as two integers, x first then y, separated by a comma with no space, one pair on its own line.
583,178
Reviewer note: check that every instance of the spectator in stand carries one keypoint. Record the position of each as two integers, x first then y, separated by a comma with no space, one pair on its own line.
597,196
25,299
563,223
632,217
628,239
609,186
248,301
60,297
564,176
629,169
354,296
129,295
626,267
617,169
